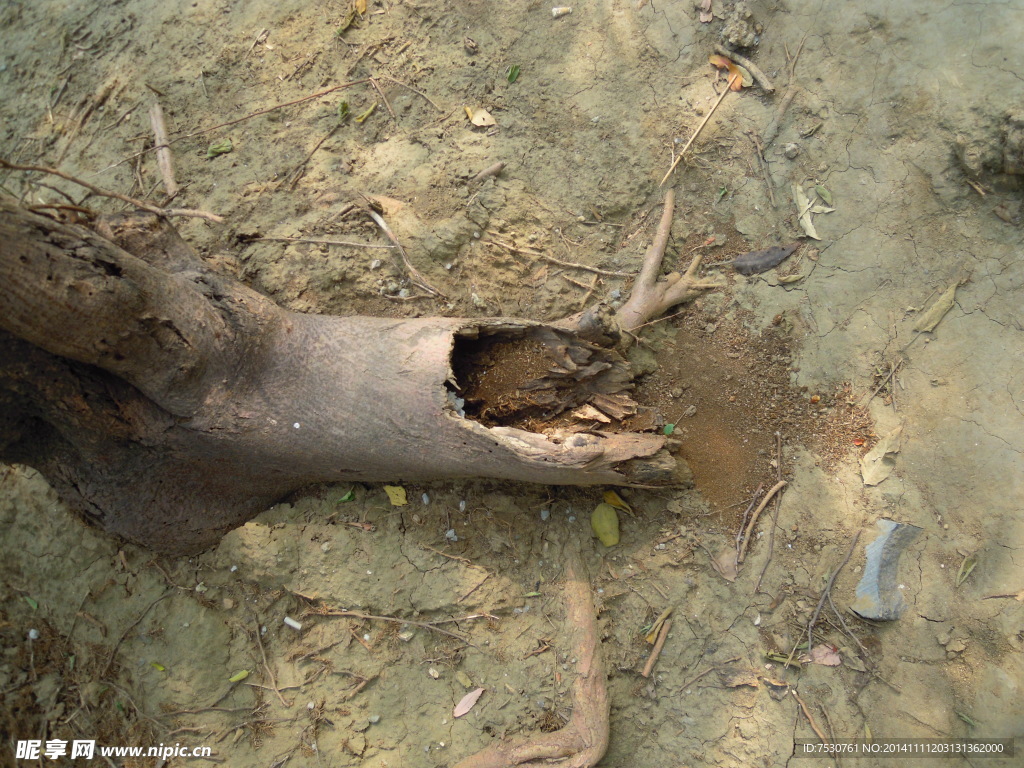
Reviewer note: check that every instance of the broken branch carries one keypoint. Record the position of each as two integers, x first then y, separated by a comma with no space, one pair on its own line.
140,204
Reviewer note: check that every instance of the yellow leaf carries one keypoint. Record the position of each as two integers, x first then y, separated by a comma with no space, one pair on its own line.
611,497
605,522
480,117
396,495
360,6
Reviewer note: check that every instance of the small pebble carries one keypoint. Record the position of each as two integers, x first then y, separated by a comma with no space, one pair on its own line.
545,514
33,634
374,719
426,499
451,535
462,506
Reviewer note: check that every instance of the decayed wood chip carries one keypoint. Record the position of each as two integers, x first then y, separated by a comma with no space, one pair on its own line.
590,413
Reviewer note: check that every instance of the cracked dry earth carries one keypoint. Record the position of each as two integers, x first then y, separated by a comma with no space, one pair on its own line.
905,116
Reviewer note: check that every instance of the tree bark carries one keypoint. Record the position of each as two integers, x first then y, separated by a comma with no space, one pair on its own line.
169,404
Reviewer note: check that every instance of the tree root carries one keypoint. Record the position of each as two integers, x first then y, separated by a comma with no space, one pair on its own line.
650,296
583,742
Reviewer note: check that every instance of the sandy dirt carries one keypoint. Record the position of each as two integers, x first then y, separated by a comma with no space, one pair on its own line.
902,117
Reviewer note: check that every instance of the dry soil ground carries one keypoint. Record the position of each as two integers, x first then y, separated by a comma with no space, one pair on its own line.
908,116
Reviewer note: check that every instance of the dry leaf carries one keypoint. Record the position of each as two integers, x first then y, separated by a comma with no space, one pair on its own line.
611,497
726,563
360,6
467,702
705,12
933,315
823,654
396,495
480,117
878,463
803,207
736,78
787,279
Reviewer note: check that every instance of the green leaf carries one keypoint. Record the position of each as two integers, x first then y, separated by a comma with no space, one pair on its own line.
348,496
722,192
824,194
219,147
367,113
239,676
532,594
668,429
32,603
343,111
158,667
966,568
512,73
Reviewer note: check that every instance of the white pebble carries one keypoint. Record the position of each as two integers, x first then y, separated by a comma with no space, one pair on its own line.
451,535
462,506
296,425
33,634
545,514
293,623
426,499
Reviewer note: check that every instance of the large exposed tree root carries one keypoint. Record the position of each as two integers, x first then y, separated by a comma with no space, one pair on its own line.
584,740
169,404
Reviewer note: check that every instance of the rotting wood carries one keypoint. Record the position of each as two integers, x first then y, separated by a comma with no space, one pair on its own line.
182,369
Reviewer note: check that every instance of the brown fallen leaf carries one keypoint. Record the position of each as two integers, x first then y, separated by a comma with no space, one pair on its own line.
360,6
467,702
736,73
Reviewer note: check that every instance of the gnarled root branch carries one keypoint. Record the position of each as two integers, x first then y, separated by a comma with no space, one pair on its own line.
583,742
650,296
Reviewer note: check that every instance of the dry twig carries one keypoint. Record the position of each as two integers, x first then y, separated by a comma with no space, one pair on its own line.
757,513
653,658
700,128
163,153
825,593
140,204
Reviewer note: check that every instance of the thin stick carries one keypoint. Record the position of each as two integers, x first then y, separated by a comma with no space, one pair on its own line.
420,93
117,196
385,98
296,173
746,63
700,127
414,275
321,241
773,126
807,714
746,516
251,115
163,153
410,622
706,672
658,645
827,590
775,516
892,372
129,628
757,513
762,163
266,666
